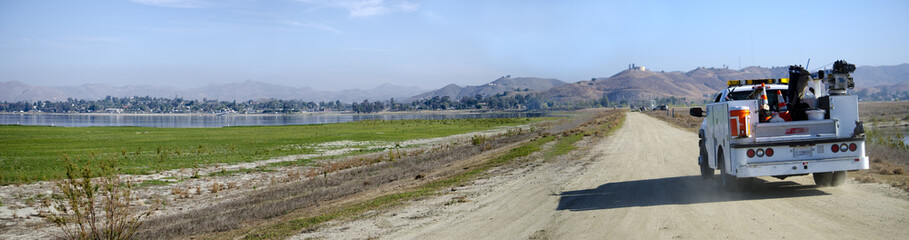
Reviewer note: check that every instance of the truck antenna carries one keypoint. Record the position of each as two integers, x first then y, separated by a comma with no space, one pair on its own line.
809,62
819,68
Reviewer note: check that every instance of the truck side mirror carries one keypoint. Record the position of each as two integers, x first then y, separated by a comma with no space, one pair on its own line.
697,112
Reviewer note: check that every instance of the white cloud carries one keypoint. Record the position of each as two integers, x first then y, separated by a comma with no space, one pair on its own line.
368,8
173,3
313,25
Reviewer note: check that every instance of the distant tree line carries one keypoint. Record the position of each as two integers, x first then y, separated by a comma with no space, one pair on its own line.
171,105
884,94
503,101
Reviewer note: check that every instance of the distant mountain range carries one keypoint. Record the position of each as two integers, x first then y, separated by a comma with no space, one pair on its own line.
635,84
629,85
702,82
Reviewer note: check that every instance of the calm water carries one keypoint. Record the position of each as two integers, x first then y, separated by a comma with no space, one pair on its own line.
195,121
895,132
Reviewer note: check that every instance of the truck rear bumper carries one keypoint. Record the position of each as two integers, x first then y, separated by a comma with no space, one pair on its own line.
801,167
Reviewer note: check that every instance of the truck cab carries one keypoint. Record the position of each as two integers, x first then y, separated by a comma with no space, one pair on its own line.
737,138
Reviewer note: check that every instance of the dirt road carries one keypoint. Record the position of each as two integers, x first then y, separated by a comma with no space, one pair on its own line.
640,183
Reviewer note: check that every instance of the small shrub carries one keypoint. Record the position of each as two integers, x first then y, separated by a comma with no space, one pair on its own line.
215,187
293,175
180,192
86,208
883,171
477,139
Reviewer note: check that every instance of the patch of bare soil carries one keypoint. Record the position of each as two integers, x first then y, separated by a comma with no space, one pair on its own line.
425,212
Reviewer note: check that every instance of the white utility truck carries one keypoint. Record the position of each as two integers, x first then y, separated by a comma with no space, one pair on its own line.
804,124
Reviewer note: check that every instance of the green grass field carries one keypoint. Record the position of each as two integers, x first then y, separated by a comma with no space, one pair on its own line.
33,153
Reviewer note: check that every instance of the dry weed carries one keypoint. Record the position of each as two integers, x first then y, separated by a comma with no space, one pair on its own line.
215,187
293,175
87,208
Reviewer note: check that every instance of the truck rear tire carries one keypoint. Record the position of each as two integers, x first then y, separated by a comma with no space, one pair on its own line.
729,182
838,178
823,179
706,171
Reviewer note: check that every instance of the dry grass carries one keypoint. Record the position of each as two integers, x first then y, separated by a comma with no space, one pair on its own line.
872,112
340,178
890,161
889,165
180,192
680,119
215,187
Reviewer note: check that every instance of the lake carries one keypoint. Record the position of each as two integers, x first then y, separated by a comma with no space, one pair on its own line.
201,121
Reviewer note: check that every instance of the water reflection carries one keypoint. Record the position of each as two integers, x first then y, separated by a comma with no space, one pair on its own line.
899,132
195,121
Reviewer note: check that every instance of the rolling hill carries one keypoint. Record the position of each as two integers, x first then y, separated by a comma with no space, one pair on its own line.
501,85
700,83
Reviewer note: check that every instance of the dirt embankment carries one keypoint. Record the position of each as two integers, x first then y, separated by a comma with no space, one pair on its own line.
640,183
191,199
229,201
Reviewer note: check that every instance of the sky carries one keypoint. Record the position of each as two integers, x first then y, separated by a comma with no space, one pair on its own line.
345,44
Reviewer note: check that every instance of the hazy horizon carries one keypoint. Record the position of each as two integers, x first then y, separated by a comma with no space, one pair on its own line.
337,45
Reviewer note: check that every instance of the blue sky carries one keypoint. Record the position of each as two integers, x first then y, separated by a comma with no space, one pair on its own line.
334,45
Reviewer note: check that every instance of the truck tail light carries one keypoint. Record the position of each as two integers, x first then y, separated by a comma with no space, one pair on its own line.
852,147
769,152
750,153
760,152
834,148
844,147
